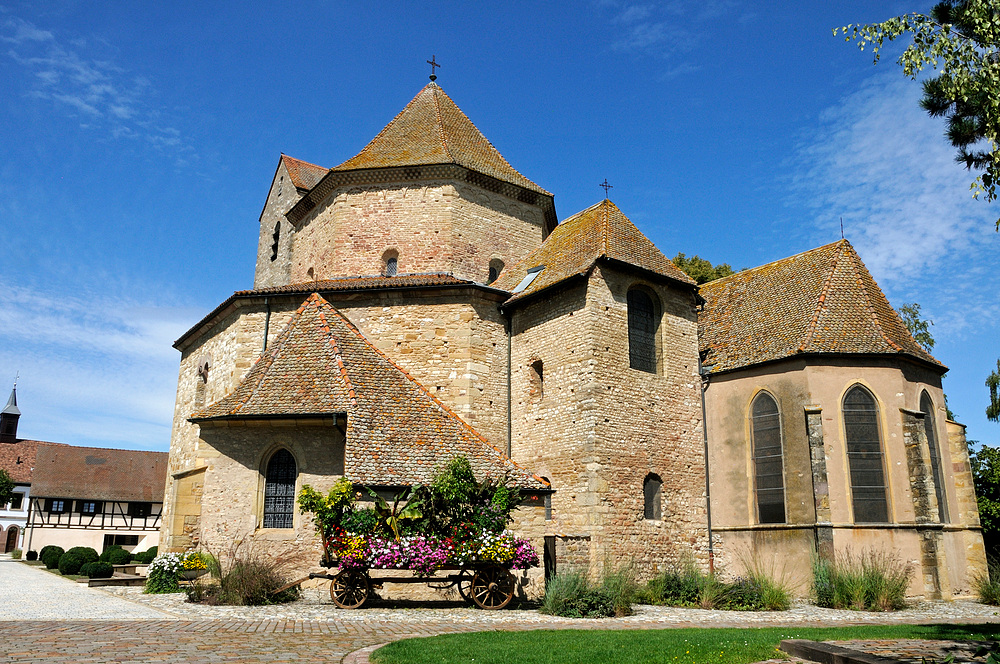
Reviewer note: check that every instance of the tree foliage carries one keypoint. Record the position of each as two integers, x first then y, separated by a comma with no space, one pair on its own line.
986,477
993,382
700,269
961,40
6,487
920,329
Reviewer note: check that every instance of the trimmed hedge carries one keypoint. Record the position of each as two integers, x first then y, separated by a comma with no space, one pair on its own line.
118,557
146,557
107,552
70,563
97,570
32,555
50,555
87,554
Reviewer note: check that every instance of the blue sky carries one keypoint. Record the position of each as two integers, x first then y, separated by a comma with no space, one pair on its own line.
139,140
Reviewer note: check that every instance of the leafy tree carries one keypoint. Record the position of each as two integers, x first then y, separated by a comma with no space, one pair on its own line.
986,478
993,382
918,327
6,487
700,269
960,39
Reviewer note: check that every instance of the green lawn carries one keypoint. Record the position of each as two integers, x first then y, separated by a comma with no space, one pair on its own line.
664,646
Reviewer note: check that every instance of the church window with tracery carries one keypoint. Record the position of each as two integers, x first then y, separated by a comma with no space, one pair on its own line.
930,429
279,490
643,324
864,456
768,465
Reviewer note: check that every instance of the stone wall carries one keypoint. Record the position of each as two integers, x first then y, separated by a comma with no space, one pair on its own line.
435,226
280,199
596,428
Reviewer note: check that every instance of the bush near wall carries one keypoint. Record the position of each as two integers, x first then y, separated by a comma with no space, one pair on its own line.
16,554
50,555
70,563
97,570
87,554
32,555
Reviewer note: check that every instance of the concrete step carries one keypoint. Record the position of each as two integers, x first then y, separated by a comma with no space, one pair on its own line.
118,580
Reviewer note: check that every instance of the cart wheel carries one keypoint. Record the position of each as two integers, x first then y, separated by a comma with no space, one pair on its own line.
464,585
492,588
350,589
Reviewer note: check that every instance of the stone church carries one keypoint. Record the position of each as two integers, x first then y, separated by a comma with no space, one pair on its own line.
422,300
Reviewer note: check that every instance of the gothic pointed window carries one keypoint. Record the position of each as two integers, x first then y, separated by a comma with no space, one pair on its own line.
769,476
652,495
937,468
864,456
643,323
279,490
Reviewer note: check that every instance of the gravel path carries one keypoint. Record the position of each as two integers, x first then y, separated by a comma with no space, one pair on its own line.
29,593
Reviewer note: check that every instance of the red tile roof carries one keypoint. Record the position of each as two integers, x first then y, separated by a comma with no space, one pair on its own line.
820,301
363,283
18,459
303,174
398,433
431,129
67,471
600,231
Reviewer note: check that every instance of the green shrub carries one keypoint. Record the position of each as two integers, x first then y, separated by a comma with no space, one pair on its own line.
119,557
162,575
571,595
107,552
16,554
50,555
363,521
70,563
145,557
87,554
619,585
873,581
987,584
97,570
32,555
685,585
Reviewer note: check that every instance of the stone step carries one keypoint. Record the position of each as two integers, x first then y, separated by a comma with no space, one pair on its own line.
118,580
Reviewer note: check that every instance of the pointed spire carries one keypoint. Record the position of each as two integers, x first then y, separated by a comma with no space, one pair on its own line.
8,418
11,408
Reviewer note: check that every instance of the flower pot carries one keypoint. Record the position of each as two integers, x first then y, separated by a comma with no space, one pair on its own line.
191,574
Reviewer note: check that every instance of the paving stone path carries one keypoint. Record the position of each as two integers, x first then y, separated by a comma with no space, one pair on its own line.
48,619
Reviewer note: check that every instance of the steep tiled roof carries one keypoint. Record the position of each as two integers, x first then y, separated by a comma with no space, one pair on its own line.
303,174
67,471
600,231
397,432
433,130
18,459
819,301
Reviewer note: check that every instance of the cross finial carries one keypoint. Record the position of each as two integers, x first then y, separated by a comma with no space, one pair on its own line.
841,228
433,63
16,376
606,187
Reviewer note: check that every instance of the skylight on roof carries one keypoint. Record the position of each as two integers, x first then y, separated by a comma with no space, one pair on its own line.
528,278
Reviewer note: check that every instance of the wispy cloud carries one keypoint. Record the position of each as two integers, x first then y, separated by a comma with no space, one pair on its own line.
95,370
882,164
95,89
662,29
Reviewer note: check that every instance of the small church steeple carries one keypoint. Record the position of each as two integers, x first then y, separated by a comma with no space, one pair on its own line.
8,418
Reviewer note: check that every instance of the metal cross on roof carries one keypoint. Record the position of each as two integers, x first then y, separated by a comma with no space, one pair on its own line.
606,187
433,63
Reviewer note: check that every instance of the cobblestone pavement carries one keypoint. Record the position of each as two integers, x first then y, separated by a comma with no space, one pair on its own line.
127,626
916,651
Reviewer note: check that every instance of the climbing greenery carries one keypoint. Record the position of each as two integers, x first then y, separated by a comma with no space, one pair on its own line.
961,40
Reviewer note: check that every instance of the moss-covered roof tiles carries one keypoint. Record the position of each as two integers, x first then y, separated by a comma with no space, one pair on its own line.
600,231
303,174
821,301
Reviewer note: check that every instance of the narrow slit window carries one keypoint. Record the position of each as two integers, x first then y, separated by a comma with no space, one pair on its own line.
643,324
652,490
864,456
279,490
276,236
937,468
769,479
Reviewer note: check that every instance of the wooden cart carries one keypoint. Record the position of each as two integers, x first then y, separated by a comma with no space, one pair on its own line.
488,586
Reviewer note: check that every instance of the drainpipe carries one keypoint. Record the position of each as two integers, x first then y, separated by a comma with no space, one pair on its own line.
703,374
267,322
508,324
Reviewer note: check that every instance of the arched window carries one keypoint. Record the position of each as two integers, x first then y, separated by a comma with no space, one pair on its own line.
651,493
643,323
390,263
930,428
496,267
279,490
767,459
864,456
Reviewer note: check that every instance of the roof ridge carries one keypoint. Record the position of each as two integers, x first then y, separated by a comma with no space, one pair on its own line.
606,228
302,161
448,411
440,123
854,260
336,352
821,301
750,270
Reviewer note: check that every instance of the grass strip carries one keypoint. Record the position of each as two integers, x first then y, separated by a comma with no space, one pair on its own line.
680,646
